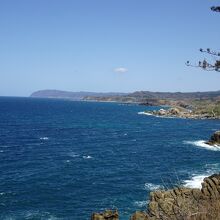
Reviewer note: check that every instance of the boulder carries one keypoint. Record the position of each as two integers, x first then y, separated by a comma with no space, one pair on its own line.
162,112
215,139
106,215
174,111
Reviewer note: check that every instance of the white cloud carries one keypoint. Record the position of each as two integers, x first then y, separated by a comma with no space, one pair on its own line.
120,70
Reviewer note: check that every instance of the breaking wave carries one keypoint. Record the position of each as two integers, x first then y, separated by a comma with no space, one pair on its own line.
140,204
152,187
195,181
202,144
144,113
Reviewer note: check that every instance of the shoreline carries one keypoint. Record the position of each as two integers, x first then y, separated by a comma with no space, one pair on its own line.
177,113
177,203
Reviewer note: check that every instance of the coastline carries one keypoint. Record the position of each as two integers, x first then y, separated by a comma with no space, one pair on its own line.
178,203
177,113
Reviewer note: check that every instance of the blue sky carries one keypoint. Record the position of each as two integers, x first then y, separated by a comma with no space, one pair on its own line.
105,45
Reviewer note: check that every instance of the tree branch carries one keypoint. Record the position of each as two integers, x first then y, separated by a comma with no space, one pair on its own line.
215,8
209,52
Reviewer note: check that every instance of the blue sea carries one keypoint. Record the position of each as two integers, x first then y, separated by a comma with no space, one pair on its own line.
65,160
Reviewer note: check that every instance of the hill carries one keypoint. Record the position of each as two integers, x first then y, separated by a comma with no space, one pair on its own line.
58,94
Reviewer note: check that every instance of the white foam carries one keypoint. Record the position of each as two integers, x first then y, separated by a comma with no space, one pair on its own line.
195,181
87,157
2,193
201,143
44,138
1,151
144,113
140,203
152,187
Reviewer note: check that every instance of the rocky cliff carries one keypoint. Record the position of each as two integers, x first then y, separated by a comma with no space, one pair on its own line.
180,204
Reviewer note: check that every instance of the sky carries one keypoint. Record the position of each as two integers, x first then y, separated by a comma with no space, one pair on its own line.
106,45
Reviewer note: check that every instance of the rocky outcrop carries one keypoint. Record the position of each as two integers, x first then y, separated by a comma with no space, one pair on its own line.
215,139
106,215
181,113
185,203
180,204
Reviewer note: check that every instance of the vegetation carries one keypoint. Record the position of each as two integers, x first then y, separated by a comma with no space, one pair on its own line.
216,55
209,107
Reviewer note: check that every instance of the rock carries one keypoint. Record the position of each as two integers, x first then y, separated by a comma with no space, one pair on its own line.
162,112
185,203
138,215
182,113
106,215
179,204
174,111
215,139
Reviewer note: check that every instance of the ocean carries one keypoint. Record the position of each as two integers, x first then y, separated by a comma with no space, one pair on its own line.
65,160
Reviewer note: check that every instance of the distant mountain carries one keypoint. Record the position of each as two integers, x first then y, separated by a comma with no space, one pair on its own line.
151,98
175,95
158,98
57,94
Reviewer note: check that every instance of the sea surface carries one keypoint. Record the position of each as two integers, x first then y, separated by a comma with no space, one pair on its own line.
65,160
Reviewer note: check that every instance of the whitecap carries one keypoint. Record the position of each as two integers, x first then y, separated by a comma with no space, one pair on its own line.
195,181
2,193
140,204
1,151
44,138
87,157
152,187
202,143
73,155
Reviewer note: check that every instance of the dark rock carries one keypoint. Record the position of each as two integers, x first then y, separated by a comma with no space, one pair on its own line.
215,139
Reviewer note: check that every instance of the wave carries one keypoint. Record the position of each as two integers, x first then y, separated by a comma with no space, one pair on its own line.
202,143
144,113
158,116
152,187
141,204
77,155
31,215
73,155
195,181
87,157
44,138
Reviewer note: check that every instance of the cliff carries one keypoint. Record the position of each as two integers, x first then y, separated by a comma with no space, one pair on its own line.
179,204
